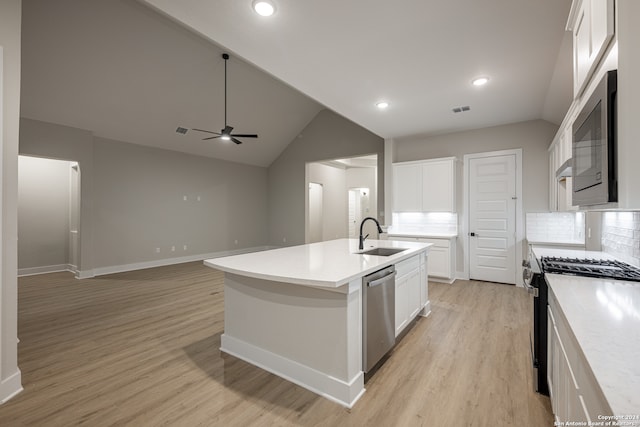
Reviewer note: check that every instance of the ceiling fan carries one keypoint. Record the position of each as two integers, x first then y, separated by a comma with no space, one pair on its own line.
225,133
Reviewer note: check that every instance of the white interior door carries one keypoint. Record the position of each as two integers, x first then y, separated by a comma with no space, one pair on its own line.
358,210
315,212
492,218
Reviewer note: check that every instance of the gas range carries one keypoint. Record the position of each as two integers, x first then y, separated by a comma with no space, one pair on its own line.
600,268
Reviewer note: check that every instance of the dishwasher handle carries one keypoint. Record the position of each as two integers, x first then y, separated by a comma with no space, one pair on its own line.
381,280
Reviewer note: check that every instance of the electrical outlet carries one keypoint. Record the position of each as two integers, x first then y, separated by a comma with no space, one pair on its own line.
157,250
184,248
173,248
235,241
284,240
184,198
198,198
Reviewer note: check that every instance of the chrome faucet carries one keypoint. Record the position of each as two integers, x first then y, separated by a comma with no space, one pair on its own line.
361,245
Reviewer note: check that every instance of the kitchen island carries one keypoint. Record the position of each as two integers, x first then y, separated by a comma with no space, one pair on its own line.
297,311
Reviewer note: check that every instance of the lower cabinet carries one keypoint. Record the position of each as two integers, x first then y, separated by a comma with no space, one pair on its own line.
411,290
441,257
574,395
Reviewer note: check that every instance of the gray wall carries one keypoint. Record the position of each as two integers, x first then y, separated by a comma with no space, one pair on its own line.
533,137
327,136
132,198
44,196
139,204
10,379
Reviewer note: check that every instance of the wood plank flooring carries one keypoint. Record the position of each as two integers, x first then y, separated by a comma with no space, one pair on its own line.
142,349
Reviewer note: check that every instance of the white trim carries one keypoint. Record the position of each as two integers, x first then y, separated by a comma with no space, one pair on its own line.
442,279
464,233
101,271
341,392
30,271
11,386
426,310
416,162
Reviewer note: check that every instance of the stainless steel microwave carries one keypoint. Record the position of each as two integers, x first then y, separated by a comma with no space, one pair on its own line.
594,146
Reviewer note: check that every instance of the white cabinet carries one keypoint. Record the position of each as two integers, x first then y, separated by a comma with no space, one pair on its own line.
441,257
560,151
411,291
592,24
574,394
407,188
424,280
438,180
402,304
424,186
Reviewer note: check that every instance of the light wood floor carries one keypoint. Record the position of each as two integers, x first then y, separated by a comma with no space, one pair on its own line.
141,349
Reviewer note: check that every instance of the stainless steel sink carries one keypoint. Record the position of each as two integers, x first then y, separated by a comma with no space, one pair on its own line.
382,251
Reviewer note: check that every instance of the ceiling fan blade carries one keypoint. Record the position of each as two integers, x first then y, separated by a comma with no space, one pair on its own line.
211,137
242,135
207,131
237,141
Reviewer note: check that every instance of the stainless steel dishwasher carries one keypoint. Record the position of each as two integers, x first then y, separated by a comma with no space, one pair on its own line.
378,315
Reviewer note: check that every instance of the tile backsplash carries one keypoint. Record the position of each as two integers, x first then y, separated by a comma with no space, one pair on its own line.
621,236
425,222
555,227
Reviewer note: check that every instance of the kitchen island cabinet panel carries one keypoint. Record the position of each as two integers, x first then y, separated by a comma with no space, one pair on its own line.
298,311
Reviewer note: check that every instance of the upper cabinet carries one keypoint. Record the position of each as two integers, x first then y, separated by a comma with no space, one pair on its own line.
424,186
592,24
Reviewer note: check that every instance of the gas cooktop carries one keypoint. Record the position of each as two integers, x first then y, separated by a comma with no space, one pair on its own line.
601,268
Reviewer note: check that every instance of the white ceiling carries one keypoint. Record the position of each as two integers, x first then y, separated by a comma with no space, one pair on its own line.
420,55
123,71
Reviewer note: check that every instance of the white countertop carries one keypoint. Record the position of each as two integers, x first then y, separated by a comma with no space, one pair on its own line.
557,243
604,316
326,264
570,253
423,234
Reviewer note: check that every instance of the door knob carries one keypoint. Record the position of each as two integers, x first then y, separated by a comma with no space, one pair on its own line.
472,234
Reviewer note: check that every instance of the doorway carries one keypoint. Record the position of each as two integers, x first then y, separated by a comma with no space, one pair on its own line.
359,209
493,189
48,215
315,212
349,194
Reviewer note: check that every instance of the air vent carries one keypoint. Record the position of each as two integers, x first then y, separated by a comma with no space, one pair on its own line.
181,130
461,109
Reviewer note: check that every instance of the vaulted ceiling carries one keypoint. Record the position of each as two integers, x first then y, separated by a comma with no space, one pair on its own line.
126,72
123,71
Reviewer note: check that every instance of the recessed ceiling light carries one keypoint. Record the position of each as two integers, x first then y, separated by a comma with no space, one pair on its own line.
382,105
480,81
264,7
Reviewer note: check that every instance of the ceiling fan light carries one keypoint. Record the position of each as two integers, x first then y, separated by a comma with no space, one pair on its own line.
382,105
263,7
225,138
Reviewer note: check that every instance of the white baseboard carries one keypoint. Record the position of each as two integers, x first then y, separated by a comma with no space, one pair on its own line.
30,271
10,386
101,271
442,280
341,392
426,310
